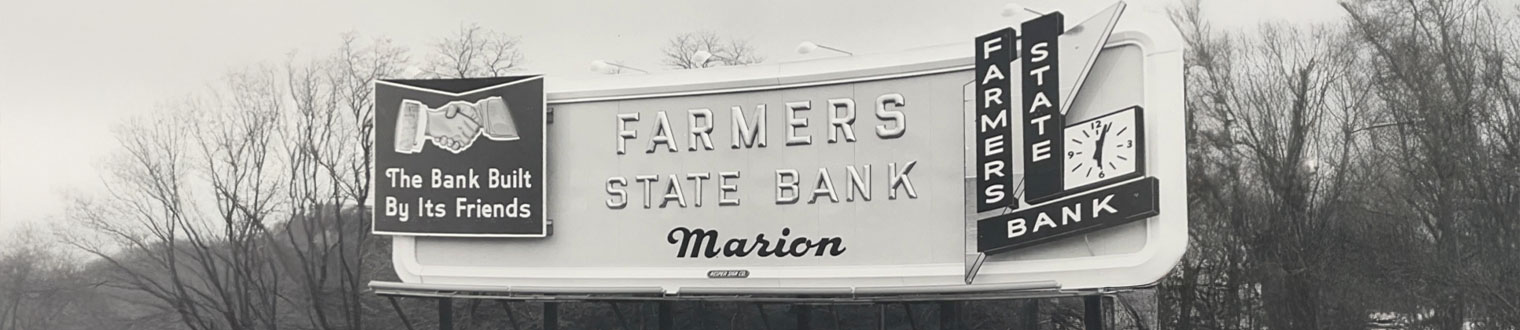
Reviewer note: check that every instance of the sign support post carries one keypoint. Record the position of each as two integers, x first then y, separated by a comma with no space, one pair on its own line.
551,315
1092,316
400,312
445,314
511,316
667,318
949,313
804,316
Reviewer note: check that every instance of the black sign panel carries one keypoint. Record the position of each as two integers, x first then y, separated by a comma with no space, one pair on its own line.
460,157
994,55
1041,108
1076,215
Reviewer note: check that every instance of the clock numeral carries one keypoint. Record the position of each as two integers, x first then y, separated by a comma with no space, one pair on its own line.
1096,124
1129,143
1100,175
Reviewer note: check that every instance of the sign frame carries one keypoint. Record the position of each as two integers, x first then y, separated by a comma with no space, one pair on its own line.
545,222
1160,52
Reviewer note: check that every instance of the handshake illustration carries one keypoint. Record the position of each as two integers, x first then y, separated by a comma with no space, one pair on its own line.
454,126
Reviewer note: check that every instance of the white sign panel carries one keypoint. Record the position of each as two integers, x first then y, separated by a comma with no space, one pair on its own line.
846,177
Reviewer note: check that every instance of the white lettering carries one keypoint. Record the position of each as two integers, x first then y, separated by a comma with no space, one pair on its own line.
1016,228
698,178
673,192
724,188
661,134
991,45
857,184
742,131
1100,205
1041,151
614,188
842,122
1039,52
793,123
647,180
900,180
896,116
786,181
623,133
699,132
824,187
993,72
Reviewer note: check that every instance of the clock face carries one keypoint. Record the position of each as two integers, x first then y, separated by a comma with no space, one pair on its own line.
1107,148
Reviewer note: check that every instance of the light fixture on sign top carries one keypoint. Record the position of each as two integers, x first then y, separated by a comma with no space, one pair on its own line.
607,67
702,56
809,46
1011,9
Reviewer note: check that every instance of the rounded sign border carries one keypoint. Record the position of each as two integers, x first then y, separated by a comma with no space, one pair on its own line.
1162,48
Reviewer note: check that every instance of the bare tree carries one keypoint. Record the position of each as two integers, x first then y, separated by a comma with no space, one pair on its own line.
144,214
218,202
327,150
1270,116
680,51
210,266
361,258
1329,166
41,285
1444,89
312,145
474,52
239,157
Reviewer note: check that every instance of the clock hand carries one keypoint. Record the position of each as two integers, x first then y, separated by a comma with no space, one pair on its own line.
1098,149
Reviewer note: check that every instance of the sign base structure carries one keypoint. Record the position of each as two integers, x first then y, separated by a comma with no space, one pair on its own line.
870,178
1093,311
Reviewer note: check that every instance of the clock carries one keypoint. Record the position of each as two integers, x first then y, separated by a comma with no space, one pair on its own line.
1104,150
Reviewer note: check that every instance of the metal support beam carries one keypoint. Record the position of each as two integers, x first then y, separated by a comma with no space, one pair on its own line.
445,314
551,316
881,316
400,312
667,316
511,315
804,316
1092,316
618,312
908,308
948,315
1031,314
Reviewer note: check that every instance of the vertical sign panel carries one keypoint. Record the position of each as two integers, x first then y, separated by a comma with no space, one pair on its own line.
1041,108
994,54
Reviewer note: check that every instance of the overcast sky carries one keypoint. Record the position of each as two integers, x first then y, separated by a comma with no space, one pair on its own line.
72,70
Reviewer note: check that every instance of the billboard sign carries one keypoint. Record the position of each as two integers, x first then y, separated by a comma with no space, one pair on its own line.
925,171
